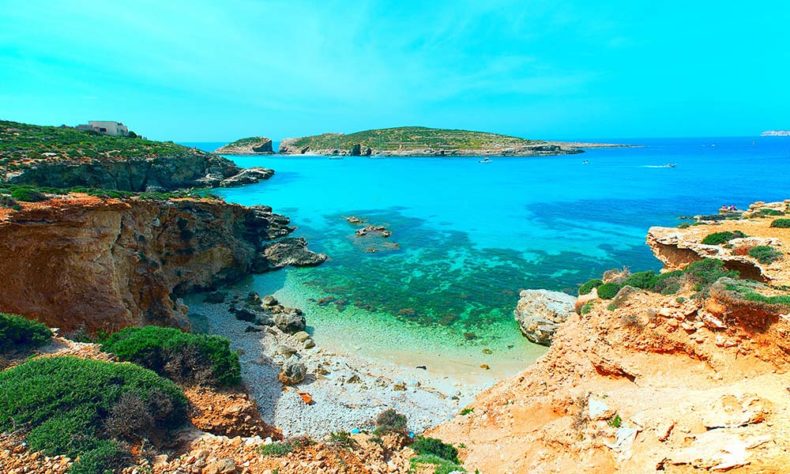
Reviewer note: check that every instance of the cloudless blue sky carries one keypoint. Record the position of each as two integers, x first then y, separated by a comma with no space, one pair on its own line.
219,70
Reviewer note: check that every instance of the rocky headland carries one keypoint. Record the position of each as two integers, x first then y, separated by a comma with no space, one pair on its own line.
80,261
686,371
65,157
421,141
247,146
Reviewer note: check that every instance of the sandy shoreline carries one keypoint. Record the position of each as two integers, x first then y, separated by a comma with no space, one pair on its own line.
348,392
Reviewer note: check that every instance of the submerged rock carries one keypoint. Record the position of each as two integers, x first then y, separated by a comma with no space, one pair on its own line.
540,312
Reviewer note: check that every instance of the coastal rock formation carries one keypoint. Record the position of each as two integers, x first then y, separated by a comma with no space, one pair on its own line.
693,381
421,141
290,251
247,146
79,261
76,158
247,176
540,312
677,247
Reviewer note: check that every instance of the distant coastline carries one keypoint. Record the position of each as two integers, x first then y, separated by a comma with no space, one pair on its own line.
775,133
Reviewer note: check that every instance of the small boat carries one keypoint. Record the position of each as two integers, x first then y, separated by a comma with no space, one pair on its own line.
586,162
485,160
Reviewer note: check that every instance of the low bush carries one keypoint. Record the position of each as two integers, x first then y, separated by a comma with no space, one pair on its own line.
781,223
706,272
643,280
588,286
608,291
435,447
18,333
766,212
586,308
64,404
342,440
467,411
765,254
718,238
746,290
25,194
440,466
183,357
390,421
276,449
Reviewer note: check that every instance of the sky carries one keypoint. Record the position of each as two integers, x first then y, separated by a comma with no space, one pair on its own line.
220,70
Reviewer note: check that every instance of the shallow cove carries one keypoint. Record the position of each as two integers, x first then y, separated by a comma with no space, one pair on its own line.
471,235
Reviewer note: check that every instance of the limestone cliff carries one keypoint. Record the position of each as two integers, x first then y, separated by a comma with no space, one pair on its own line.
646,382
80,261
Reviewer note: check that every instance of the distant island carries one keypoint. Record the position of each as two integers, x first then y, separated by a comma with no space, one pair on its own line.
422,141
775,133
247,146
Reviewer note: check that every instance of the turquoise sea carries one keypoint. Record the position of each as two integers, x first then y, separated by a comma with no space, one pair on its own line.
470,235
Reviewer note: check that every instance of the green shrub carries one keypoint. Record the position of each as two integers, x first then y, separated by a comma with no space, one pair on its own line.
781,223
746,290
180,356
17,332
706,272
441,466
766,212
765,253
436,447
390,421
28,195
668,283
342,440
467,411
615,421
718,238
276,449
586,308
608,291
644,280
588,286
63,403
107,457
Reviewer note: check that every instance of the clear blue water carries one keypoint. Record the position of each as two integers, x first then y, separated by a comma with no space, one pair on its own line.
471,235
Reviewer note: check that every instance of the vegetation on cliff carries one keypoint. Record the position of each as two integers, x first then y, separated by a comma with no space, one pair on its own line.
18,333
245,146
182,357
88,409
21,143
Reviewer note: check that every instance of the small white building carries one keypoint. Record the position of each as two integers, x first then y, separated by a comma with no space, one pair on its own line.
115,129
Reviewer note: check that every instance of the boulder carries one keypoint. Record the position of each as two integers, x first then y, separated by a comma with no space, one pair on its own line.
290,322
540,312
292,372
288,251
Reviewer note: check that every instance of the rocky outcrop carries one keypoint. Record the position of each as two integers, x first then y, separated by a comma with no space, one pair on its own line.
102,264
160,173
677,247
689,382
247,176
247,146
290,251
540,312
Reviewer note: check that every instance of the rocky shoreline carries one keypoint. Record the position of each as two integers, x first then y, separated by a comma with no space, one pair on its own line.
339,392
288,147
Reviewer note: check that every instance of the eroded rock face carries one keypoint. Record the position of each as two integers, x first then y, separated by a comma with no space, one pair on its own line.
159,173
84,262
540,312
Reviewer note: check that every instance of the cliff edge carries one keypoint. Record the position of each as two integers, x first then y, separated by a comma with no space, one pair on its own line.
690,381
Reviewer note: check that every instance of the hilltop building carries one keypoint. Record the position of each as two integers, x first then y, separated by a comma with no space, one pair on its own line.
116,129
